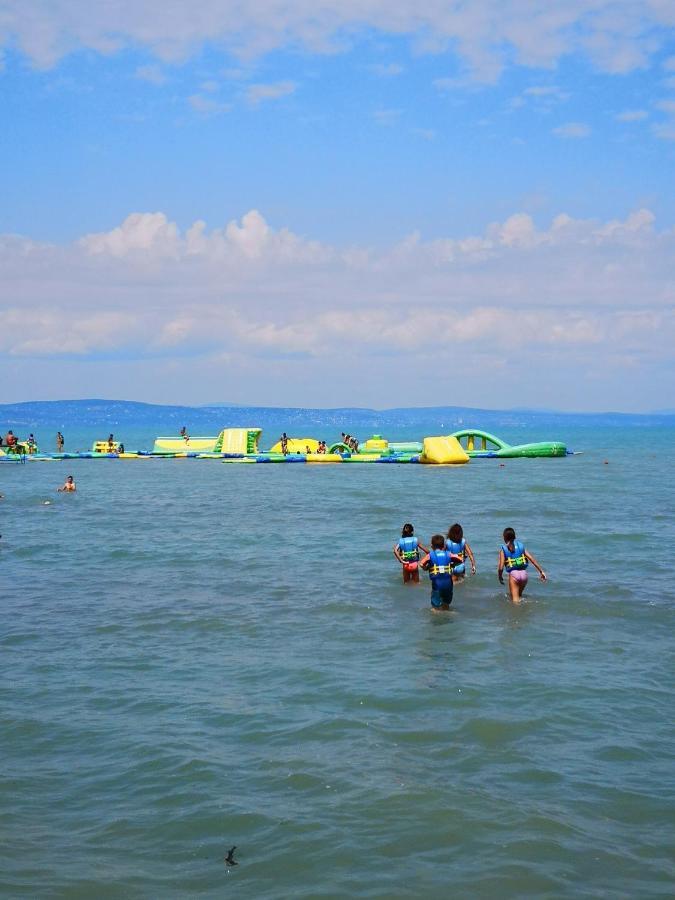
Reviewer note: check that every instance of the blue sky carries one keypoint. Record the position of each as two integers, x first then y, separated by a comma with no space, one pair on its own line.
385,194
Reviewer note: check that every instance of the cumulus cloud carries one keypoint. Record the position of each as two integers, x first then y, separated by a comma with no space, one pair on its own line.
617,35
576,283
596,295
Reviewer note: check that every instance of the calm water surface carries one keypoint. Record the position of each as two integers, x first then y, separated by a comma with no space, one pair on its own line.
195,655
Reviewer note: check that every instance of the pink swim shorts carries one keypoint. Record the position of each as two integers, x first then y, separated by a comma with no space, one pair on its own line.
519,576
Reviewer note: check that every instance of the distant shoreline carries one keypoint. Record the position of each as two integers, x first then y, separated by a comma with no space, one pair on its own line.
126,413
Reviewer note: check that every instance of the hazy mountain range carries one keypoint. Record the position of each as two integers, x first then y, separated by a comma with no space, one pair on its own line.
209,419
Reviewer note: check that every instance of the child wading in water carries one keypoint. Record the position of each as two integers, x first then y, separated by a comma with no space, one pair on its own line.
515,559
439,563
457,544
407,552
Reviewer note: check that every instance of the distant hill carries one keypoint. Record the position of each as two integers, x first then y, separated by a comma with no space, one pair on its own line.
112,414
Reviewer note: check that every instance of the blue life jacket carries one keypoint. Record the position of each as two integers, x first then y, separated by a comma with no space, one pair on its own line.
457,547
408,547
515,559
440,569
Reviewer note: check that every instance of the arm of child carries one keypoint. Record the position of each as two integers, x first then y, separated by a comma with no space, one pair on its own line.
500,567
534,562
422,548
469,553
426,562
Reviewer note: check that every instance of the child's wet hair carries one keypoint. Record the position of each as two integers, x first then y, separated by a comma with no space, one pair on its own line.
408,530
438,542
455,533
509,535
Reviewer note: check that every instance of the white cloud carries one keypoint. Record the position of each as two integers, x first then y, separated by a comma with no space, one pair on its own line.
543,97
158,289
617,35
258,93
632,115
572,130
591,295
142,232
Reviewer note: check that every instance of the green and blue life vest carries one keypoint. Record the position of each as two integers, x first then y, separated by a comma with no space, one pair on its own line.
409,549
515,560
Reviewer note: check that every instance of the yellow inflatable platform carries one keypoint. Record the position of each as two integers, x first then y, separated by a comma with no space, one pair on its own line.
298,445
180,445
443,451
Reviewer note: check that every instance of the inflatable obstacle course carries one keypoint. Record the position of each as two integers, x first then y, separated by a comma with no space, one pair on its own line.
483,444
241,445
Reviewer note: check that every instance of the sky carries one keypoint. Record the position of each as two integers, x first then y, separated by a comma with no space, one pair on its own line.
339,204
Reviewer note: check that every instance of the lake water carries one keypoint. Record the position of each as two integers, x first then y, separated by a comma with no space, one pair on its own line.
196,655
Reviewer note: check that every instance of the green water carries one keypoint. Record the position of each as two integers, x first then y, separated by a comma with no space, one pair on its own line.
195,655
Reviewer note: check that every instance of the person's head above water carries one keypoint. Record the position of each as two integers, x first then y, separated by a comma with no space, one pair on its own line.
455,533
438,542
408,530
69,479
509,535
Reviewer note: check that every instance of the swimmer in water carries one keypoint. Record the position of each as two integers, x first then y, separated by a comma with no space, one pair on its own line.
407,552
68,486
457,544
515,559
439,563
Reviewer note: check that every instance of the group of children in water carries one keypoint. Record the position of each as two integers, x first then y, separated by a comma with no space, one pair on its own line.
446,561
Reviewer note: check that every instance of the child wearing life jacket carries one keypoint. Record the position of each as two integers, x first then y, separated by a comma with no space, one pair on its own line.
457,544
439,563
515,559
407,552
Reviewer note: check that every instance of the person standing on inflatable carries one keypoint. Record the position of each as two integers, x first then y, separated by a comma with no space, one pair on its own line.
457,544
439,563
407,552
515,559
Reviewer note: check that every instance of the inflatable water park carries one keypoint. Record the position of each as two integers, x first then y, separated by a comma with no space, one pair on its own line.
242,445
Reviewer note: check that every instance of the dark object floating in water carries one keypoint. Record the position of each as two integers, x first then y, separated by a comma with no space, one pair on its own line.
229,858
